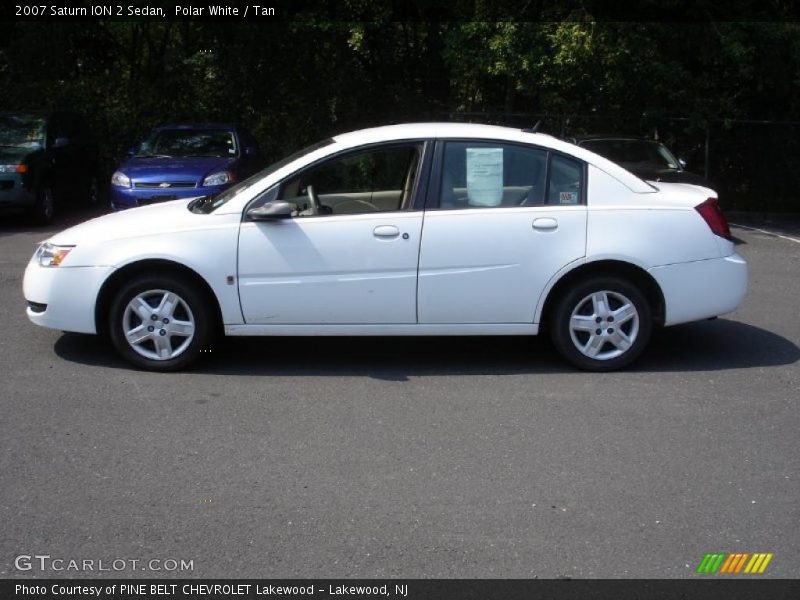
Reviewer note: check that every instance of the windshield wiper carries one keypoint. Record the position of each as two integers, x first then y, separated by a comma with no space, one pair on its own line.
153,156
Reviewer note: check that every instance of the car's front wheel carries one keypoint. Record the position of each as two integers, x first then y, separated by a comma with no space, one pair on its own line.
92,197
160,323
601,324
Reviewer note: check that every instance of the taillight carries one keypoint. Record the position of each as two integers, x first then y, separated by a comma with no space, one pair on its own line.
713,216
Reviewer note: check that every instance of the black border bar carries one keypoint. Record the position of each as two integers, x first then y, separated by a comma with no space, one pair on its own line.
705,588
53,11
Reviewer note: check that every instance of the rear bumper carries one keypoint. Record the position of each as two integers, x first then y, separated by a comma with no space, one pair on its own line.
702,289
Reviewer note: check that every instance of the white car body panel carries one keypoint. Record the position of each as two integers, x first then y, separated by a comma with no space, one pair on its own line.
144,222
75,290
470,259
466,271
206,244
385,329
662,230
701,289
649,237
330,269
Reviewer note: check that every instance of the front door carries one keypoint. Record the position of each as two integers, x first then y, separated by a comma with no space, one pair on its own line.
352,260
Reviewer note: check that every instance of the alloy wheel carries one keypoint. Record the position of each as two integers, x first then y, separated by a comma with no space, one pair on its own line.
604,325
158,324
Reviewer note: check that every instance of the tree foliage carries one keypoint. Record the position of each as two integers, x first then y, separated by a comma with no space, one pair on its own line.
294,82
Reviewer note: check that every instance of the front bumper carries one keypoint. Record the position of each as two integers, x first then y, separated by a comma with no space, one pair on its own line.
702,289
67,294
122,198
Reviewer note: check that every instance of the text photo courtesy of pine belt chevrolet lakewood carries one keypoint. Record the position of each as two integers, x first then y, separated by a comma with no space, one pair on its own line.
417,229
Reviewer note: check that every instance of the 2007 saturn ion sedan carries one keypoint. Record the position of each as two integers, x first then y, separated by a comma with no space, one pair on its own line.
419,229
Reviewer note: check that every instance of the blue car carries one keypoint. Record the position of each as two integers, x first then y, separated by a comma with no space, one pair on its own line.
184,161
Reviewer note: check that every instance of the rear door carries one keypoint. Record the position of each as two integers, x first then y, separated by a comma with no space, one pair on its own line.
503,219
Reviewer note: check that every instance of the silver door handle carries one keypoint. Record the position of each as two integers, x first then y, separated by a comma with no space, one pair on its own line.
386,231
545,224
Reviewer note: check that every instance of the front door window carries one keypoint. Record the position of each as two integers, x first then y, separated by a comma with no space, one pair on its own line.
368,181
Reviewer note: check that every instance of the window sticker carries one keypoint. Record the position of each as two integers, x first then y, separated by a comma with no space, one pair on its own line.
485,176
568,197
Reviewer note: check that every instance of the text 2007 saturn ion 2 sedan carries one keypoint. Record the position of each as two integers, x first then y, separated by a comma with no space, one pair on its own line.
419,229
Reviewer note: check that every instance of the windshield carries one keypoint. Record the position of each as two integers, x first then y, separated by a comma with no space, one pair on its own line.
169,143
22,131
208,204
634,153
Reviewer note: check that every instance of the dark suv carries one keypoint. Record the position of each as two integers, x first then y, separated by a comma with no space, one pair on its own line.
46,159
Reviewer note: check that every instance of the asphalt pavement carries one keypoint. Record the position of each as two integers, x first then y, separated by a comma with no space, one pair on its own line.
409,457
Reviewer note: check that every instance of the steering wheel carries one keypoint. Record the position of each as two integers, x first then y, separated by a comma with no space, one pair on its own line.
313,201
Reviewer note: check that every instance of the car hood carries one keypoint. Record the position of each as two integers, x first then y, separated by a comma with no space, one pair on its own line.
136,222
12,155
157,170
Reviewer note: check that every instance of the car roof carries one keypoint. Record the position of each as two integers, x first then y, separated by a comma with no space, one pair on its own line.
409,131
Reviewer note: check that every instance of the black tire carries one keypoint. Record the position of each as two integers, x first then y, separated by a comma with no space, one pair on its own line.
616,346
193,307
92,197
44,208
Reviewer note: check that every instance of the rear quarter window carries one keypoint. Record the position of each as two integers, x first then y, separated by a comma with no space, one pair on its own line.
565,181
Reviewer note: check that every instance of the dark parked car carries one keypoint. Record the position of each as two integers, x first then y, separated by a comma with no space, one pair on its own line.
184,161
648,159
46,159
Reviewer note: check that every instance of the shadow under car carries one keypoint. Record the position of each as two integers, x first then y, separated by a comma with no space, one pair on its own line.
703,346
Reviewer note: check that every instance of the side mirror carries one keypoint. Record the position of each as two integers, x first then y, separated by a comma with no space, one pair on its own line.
271,211
251,150
60,142
130,152
682,163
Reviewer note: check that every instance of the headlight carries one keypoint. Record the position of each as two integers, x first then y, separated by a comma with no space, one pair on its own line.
50,255
219,178
119,179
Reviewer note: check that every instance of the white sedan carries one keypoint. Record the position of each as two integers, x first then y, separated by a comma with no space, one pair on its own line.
419,229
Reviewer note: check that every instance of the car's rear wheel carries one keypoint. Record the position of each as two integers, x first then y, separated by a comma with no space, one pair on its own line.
160,323
601,324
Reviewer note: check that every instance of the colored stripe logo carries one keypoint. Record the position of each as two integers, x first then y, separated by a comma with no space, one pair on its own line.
734,562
